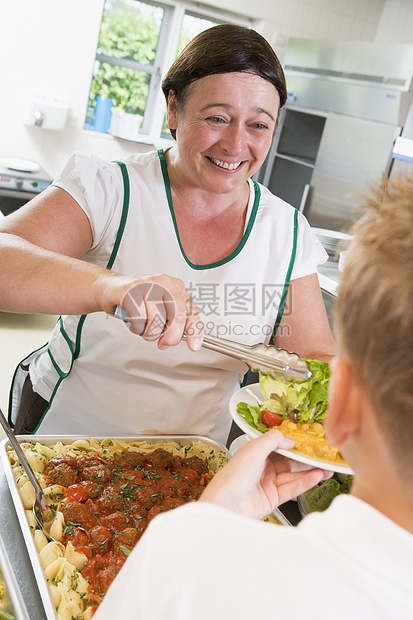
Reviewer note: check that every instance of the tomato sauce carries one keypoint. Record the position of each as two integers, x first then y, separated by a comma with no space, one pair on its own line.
109,503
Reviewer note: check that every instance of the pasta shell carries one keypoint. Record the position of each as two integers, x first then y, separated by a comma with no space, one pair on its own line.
40,540
31,519
85,444
45,450
59,448
55,493
12,456
68,608
27,495
58,526
21,480
76,558
54,594
49,554
88,614
36,461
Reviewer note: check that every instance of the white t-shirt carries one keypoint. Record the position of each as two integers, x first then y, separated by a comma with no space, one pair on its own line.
203,561
100,378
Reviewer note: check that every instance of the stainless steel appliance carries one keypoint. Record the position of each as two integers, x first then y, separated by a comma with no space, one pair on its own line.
347,103
20,180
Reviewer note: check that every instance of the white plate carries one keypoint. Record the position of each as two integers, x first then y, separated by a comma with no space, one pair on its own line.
21,165
250,394
238,443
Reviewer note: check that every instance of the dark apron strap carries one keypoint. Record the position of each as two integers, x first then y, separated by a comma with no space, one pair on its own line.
288,276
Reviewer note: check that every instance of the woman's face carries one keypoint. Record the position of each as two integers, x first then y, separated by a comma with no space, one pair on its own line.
224,130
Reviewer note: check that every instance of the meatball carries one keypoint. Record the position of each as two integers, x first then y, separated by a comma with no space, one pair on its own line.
100,473
78,537
92,488
127,538
102,538
146,497
194,462
109,502
160,458
135,477
79,514
166,505
59,459
169,487
63,474
105,578
132,458
190,474
116,521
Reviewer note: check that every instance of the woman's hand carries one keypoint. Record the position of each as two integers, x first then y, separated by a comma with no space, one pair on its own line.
160,308
257,480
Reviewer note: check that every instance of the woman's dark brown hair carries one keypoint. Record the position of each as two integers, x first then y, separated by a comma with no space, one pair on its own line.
226,48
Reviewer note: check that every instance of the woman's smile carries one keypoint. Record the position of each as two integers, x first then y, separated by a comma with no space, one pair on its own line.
224,164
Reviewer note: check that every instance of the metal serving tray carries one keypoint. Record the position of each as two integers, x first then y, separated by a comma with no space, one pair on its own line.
9,580
49,609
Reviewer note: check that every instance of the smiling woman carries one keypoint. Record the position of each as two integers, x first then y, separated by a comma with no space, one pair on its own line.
228,255
221,145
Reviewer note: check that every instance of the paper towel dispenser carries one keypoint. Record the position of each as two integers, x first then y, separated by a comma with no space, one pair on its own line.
48,113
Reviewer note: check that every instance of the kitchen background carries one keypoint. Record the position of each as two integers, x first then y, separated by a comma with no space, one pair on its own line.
49,47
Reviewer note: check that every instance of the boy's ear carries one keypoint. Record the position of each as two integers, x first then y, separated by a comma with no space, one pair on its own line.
344,402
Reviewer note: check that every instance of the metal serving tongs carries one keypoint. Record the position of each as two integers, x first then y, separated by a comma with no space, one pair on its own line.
42,513
266,359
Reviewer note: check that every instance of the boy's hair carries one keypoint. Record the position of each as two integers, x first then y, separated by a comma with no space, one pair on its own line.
374,311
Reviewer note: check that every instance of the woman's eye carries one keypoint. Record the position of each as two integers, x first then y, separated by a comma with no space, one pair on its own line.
259,126
215,119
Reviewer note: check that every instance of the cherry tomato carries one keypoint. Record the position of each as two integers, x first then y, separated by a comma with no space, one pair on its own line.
270,419
76,493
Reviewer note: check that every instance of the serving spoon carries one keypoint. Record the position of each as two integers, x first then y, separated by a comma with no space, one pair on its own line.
42,512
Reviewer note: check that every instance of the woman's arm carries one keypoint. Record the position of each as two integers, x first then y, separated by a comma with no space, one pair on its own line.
304,327
41,245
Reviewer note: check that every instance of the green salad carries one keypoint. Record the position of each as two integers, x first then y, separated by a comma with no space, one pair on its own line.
287,399
320,497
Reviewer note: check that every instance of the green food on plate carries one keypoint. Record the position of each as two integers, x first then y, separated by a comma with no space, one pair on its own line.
320,497
289,399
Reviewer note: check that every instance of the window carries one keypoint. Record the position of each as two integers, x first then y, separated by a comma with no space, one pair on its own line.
138,42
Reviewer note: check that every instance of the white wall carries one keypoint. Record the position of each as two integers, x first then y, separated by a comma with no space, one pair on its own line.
48,47
396,25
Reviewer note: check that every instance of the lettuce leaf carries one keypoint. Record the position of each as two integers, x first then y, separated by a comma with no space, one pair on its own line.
298,400
290,399
252,416
320,497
